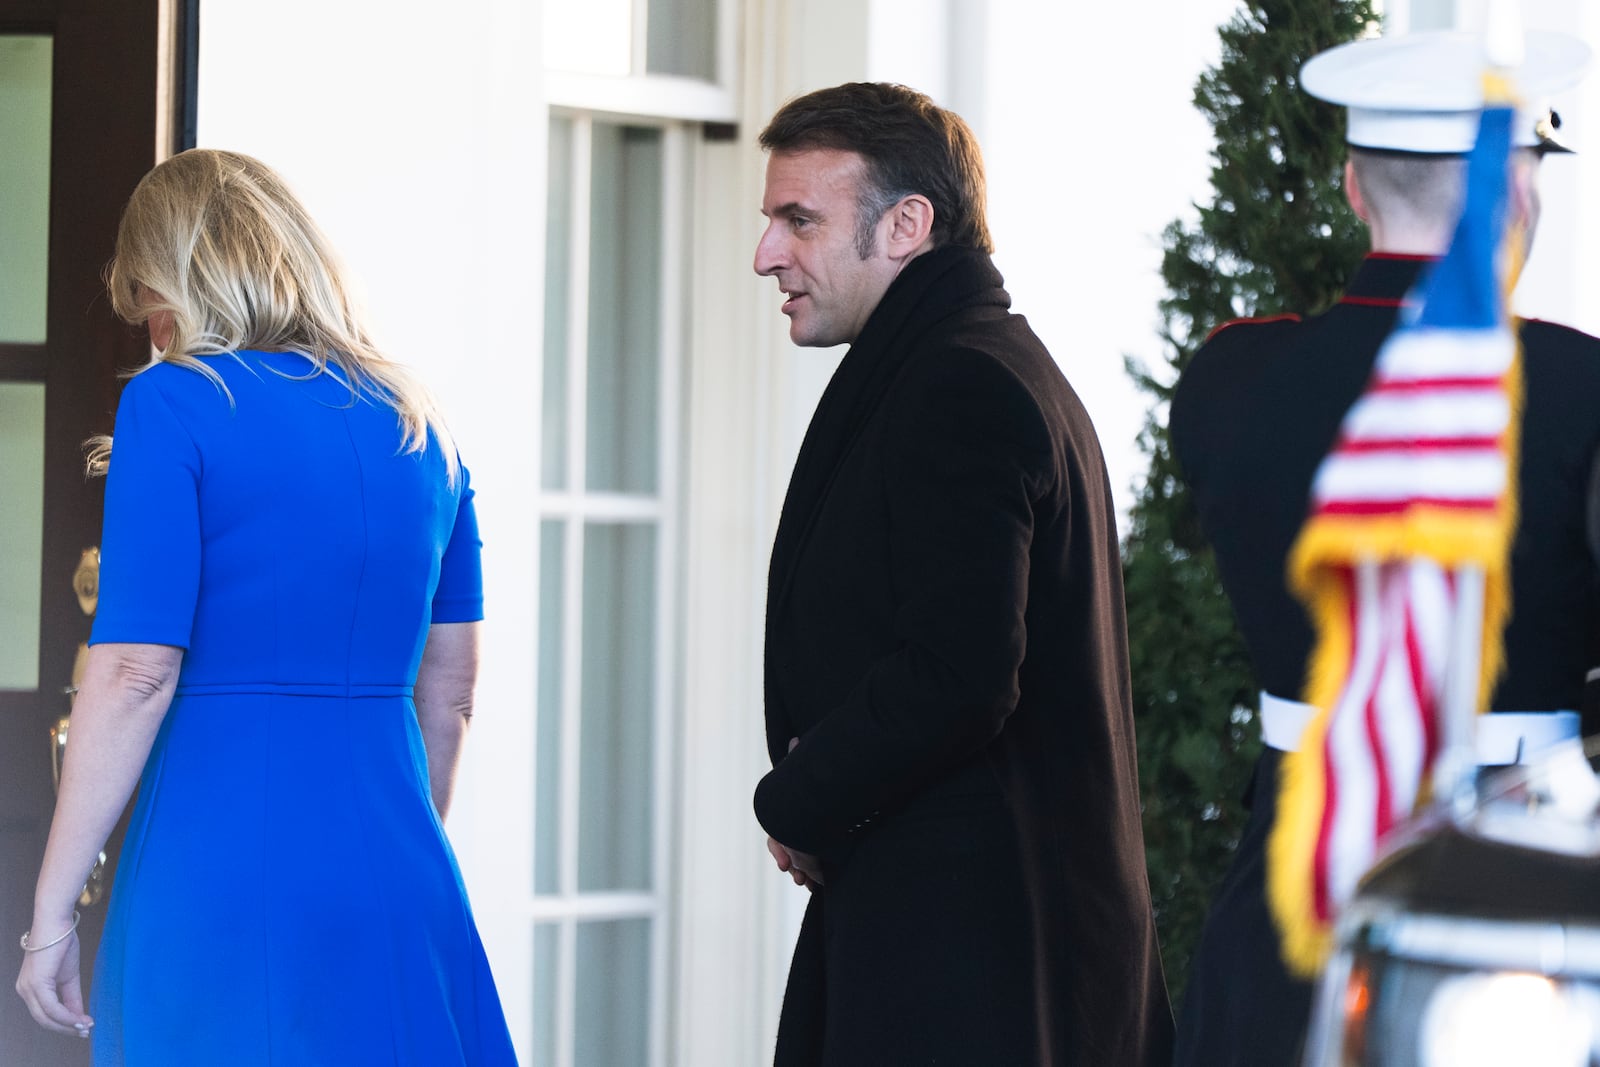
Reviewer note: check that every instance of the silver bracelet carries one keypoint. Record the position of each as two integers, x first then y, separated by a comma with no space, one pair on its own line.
49,944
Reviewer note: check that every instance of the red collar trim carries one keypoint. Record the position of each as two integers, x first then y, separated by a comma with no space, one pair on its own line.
1287,317
1385,279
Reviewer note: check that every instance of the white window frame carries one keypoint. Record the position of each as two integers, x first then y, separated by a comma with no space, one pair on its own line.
575,507
662,96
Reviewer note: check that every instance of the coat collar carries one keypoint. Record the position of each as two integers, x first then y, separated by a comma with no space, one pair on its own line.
930,288
1384,279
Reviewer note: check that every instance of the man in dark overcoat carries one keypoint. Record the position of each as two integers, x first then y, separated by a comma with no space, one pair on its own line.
947,697
1260,405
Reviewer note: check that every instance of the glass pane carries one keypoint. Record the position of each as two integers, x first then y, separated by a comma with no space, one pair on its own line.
25,61
546,949
624,308
613,993
21,531
615,778
589,36
547,739
557,287
1432,15
683,38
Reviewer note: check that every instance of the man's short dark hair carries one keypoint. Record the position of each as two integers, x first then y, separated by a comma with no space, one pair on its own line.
1411,186
910,145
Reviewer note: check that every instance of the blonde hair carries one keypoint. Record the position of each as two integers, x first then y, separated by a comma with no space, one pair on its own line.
217,239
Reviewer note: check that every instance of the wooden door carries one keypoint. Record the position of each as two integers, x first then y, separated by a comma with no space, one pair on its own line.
92,94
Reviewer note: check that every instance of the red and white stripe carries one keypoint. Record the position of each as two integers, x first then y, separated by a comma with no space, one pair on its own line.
1382,733
1429,429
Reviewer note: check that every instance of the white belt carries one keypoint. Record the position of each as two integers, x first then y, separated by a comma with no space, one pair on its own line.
1503,737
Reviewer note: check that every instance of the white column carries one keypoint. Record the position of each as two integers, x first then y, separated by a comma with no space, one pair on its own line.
750,397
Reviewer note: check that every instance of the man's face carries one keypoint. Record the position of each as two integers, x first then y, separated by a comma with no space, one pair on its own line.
810,246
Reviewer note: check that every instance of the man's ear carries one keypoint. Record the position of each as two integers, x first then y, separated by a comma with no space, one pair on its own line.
1523,191
1352,193
910,226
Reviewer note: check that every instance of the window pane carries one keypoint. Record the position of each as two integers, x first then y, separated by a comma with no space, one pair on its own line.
557,288
624,308
547,762
1432,15
546,958
21,531
613,993
683,38
25,62
615,779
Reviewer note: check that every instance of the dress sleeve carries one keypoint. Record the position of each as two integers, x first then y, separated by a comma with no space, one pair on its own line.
459,597
150,542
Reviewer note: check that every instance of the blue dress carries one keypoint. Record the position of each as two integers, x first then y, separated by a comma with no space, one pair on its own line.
286,895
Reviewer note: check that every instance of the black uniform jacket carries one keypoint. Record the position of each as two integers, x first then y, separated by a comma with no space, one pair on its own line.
946,636
1253,416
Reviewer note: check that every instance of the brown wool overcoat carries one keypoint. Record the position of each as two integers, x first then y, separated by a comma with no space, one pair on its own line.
946,636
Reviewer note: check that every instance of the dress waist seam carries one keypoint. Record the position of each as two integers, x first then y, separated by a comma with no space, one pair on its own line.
341,690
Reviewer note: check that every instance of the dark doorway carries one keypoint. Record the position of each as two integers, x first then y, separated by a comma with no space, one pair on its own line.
93,93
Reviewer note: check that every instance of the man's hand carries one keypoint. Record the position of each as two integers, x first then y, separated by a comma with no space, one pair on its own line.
803,867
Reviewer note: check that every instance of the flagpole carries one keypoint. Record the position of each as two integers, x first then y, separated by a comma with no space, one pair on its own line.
1456,768
1504,43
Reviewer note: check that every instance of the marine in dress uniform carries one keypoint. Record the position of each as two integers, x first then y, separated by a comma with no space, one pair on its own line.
1258,408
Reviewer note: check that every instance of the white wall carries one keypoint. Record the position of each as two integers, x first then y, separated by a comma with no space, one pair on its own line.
1086,166
1564,270
418,142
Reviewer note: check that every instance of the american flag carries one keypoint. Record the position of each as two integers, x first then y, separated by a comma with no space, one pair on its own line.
1402,564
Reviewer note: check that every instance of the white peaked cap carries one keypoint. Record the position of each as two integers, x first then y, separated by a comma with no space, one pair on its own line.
1422,92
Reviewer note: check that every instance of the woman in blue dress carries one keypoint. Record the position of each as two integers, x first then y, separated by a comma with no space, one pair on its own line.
283,662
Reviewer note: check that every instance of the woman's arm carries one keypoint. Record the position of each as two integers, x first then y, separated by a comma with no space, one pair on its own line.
125,694
446,683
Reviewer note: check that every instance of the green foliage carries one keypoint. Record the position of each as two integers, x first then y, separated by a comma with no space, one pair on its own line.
1276,237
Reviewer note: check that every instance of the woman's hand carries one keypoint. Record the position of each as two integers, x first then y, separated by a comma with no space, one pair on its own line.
50,984
119,708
